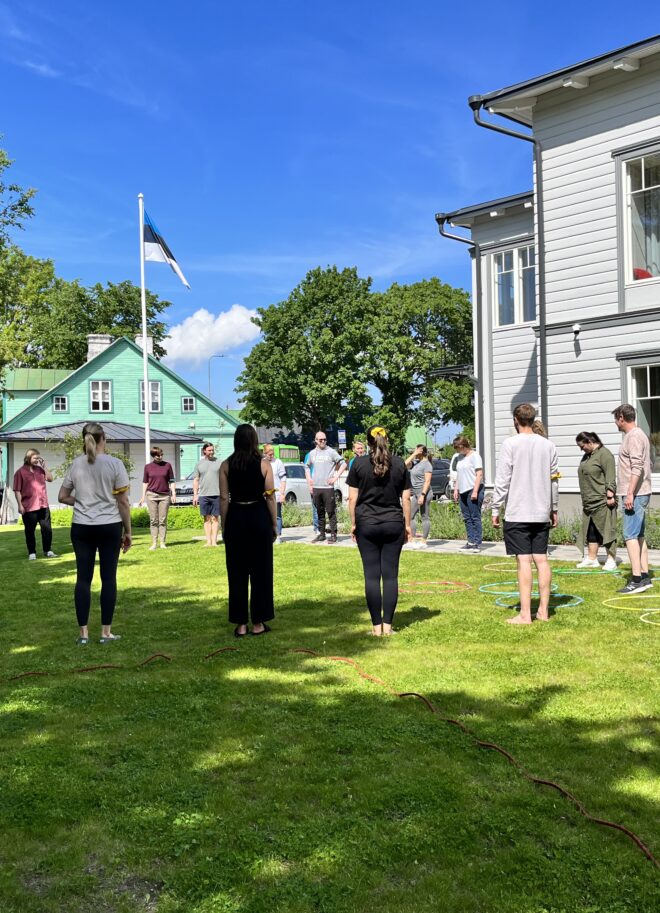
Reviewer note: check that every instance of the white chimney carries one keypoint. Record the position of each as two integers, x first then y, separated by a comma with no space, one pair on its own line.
97,343
150,343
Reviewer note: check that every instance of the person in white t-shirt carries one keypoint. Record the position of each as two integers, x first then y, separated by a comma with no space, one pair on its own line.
96,486
469,490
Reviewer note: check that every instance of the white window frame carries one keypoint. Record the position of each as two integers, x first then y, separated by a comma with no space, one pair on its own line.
629,281
193,400
153,384
65,403
100,400
518,319
635,399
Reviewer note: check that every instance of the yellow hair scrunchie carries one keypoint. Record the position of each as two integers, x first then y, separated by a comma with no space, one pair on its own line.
378,431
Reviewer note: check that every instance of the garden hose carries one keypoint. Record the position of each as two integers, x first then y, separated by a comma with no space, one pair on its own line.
539,781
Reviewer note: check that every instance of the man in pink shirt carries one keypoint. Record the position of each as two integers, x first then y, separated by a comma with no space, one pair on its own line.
32,497
634,483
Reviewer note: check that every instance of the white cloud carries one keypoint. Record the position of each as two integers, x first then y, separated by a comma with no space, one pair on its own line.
41,69
204,334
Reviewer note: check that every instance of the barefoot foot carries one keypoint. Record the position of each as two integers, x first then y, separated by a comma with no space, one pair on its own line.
519,620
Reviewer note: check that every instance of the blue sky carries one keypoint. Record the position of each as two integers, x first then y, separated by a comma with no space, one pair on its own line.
268,139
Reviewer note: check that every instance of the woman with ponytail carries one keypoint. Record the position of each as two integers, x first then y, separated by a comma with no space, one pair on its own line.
96,486
379,504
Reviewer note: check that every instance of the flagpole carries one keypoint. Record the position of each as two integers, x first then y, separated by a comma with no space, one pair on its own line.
145,354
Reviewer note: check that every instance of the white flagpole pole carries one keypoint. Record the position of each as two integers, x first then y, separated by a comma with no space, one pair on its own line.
145,354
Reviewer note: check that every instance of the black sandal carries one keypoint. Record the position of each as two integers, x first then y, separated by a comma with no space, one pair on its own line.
237,633
258,633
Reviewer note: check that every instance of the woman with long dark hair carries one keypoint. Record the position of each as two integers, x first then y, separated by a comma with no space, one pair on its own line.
249,527
96,486
597,479
379,504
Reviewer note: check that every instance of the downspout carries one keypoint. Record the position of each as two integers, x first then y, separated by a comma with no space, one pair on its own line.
441,219
476,103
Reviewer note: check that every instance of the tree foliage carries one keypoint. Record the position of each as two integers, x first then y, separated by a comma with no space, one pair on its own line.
334,348
70,447
307,368
15,206
45,319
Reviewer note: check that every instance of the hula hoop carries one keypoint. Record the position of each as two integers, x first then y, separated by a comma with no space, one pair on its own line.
587,572
647,620
629,607
488,589
576,600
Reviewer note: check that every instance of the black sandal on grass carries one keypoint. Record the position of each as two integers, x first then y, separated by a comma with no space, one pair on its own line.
258,633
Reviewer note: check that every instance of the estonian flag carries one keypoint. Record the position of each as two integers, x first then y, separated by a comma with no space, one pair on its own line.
155,248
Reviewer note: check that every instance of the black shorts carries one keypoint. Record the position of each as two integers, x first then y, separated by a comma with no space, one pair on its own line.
526,538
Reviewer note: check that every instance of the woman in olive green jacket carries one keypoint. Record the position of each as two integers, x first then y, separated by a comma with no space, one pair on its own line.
597,478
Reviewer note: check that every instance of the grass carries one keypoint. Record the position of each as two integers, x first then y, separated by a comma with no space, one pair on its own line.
262,780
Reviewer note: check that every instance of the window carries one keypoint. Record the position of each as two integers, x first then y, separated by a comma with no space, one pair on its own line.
514,275
154,396
100,395
60,404
643,217
188,404
294,472
646,399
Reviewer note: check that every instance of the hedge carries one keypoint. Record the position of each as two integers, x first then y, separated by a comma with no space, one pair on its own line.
446,522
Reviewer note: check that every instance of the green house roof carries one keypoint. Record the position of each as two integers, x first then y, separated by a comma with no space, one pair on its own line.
34,378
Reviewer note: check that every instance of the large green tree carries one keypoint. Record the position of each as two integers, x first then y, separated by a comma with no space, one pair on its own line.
307,368
333,343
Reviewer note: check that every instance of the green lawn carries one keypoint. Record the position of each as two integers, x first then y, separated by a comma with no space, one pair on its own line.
262,780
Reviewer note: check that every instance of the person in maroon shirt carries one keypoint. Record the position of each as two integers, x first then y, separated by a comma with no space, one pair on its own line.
32,497
159,490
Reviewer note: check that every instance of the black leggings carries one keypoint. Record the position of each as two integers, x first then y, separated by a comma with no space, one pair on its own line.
380,549
87,540
30,520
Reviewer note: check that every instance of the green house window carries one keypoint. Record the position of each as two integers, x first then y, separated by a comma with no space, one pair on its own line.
60,404
188,404
154,396
100,395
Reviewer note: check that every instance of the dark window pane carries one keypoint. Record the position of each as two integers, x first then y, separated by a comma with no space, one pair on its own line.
498,263
652,170
635,172
505,299
508,260
641,382
529,294
654,371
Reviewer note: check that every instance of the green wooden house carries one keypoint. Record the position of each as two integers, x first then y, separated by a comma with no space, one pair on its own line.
40,406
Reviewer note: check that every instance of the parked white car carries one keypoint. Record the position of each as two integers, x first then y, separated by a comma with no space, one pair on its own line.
297,490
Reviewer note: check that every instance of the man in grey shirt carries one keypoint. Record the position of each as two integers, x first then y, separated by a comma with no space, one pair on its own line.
527,473
206,492
327,466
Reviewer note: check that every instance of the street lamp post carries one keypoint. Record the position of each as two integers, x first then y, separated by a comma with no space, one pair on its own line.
212,356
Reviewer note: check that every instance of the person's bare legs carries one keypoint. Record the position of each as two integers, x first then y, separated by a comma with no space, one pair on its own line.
214,531
635,555
592,550
208,530
544,572
387,629
524,617
643,556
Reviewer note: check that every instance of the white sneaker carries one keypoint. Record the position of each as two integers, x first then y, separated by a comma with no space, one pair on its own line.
588,562
51,555
32,557
162,545
152,548
610,564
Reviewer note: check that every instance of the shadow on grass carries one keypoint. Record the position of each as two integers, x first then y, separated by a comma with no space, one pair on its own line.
260,780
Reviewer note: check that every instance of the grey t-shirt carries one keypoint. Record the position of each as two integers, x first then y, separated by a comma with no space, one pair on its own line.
466,471
208,473
417,474
321,464
94,487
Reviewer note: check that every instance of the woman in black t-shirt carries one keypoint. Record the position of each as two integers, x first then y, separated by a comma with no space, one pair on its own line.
379,504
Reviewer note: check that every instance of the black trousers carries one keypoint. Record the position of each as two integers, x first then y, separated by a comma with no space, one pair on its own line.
380,549
30,520
248,538
87,540
324,502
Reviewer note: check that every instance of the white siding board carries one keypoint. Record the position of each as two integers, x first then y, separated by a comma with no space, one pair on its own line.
507,227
